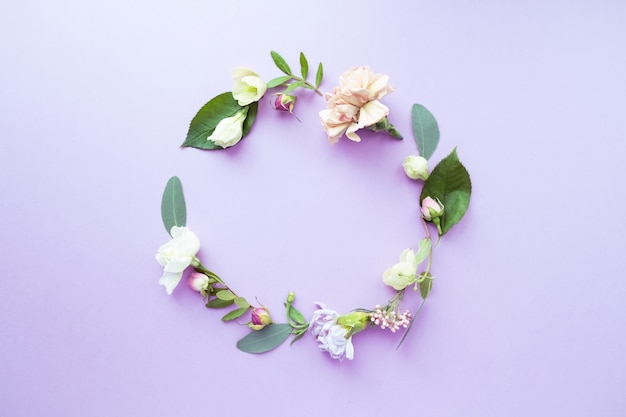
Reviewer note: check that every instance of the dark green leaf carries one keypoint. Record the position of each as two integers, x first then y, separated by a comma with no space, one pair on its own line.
268,338
280,62
450,183
217,303
173,210
234,314
207,118
426,286
425,130
319,75
304,66
250,117
226,295
293,86
275,82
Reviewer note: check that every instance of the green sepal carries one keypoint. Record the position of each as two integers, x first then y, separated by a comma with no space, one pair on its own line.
204,122
425,130
217,303
234,314
319,75
280,62
275,82
226,295
450,183
266,339
304,66
173,209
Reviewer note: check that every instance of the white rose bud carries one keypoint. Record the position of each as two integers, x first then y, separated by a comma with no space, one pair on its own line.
416,167
229,130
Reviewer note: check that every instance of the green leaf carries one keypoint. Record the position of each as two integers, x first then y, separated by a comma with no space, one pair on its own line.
423,250
280,62
319,75
217,303
304,66
207,118
425,130
173,210
275,82
293,86
234,314
450,183
241,302
250,117
296,315
266,339
426,286
226,295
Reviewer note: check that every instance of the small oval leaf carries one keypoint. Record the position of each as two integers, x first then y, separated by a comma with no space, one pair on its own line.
217,303
266,339
319,75
280,62
304,66
425,130
423,250
241,302
173,210
234,314
275,82
226,295
296,315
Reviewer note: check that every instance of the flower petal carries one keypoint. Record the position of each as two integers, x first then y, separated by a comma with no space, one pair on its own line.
372,113
170,280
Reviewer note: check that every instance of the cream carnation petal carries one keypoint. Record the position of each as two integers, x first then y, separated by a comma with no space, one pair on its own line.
372,113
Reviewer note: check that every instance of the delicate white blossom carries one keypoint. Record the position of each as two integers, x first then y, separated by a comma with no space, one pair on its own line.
332,337
176,255
248,86
229,130
402,274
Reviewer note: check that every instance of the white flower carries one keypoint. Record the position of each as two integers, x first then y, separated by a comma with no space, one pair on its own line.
402,274
248,87
176,255
229,130
330,335
416,167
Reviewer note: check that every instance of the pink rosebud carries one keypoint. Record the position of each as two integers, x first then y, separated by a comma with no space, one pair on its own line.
198,282
431,208
260,318
284,102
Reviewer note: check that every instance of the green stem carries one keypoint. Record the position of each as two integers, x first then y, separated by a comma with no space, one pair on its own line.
308,84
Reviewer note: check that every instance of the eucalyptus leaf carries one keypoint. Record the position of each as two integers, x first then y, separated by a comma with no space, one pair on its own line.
425,130
275,82
450,183
173,210
234,314
217,303
266,339
226,295
319,75
280,62
304,66
207,118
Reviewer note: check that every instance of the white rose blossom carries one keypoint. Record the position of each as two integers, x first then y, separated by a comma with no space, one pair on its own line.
176,255
248,86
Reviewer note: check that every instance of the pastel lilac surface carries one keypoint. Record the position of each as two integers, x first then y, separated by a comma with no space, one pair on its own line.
526,315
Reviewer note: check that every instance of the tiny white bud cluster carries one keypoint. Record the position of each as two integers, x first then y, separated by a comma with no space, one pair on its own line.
391,320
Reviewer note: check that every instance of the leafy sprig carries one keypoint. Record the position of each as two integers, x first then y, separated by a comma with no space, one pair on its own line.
293,81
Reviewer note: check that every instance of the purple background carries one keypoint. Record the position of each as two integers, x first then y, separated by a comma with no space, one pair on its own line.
526,316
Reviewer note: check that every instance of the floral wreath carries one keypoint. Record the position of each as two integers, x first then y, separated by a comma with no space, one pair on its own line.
354,104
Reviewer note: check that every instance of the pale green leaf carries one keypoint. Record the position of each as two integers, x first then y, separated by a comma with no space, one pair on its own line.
217,303
241,302
226,295
275,82
173,210
319,75
280,62
304,66
423,250
234,314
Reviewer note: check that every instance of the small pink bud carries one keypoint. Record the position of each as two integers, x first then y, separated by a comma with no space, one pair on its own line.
198,282
431,208
284,102
260,318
